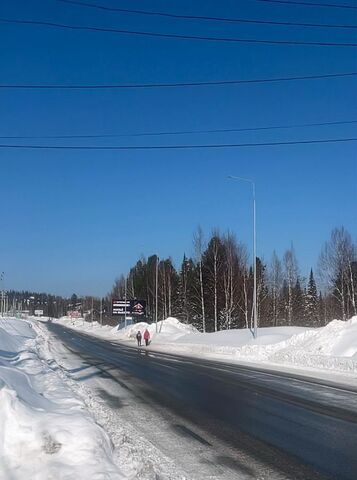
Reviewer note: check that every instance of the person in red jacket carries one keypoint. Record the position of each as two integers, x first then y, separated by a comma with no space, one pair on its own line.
146,337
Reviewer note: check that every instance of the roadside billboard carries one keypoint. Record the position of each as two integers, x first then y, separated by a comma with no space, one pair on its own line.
129,307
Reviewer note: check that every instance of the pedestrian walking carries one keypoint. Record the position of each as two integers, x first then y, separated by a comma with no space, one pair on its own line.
138,338
146,337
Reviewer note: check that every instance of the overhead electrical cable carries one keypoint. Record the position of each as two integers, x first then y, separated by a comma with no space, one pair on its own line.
175,36
203,17
175,84
180,132
175,147
310,4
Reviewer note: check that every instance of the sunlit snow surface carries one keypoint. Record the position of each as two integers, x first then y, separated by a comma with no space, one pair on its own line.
45,432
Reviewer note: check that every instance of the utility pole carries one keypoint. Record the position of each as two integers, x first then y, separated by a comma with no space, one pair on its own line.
92,313
156,289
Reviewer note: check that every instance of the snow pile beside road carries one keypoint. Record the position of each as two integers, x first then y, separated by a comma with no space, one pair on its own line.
170,329
93,328
239,344
333,347
243,337
45,433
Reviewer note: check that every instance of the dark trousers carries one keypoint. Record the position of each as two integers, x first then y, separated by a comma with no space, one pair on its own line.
139,342
146,341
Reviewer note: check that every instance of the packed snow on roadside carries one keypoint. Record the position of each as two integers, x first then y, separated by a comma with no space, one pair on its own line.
168,330
45,431
332,348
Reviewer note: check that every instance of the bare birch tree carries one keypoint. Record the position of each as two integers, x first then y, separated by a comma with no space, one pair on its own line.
245,287
291,274
199,246
335,268
275,283
212,265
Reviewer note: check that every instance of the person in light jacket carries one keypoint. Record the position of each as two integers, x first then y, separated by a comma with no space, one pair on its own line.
146,337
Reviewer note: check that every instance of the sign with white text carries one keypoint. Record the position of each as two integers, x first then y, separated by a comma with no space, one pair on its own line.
120,307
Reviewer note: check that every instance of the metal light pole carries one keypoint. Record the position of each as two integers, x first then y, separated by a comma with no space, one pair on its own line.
156,288
255,315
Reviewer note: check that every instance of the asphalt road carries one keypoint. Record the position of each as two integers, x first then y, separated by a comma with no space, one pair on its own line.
312,422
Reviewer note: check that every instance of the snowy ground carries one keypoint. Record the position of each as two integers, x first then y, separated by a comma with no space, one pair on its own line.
328,352
62,418
45,431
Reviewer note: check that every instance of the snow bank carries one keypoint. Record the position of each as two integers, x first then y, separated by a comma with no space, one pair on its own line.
88,327
45,433
333,347
170,329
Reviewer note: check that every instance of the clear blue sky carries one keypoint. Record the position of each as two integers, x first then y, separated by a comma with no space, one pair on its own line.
74,220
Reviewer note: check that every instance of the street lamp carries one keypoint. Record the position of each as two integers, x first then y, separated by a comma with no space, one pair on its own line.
254,253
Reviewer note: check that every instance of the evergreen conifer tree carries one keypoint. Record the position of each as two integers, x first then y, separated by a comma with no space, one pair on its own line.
298,304
312,304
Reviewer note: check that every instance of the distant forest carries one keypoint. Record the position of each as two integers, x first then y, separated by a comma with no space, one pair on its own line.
213,289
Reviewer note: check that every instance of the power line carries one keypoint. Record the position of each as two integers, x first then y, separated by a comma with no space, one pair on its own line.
175,36
203,17
180,132
174,147
309,4
176,84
